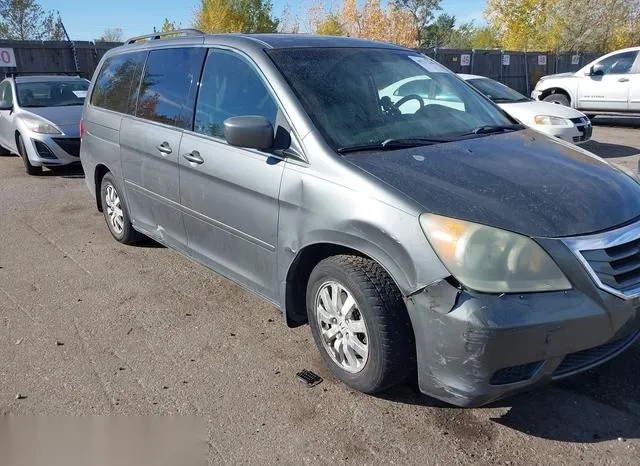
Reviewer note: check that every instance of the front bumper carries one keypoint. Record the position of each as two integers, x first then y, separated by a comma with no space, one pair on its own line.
475,348
51,150
574,133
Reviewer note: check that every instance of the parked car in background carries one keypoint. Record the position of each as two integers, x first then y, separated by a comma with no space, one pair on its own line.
554,120
449,242
608,85
39,119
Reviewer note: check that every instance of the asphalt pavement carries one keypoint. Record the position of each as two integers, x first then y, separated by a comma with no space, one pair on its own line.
89,326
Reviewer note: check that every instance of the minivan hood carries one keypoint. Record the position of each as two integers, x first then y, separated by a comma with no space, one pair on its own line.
60,116
521,181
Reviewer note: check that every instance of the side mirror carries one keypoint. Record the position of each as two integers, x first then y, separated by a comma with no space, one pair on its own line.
252,132
4,105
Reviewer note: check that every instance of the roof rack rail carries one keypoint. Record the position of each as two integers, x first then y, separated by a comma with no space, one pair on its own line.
14,74
160,35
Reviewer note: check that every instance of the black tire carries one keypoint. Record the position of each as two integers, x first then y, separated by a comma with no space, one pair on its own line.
391,353
22,152
128,235
4,151
560,99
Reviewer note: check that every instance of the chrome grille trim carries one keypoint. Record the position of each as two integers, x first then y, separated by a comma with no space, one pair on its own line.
605,240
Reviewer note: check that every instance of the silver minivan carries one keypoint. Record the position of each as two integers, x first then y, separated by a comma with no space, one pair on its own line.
429,237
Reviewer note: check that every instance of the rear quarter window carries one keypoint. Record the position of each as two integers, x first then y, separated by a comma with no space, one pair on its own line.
116,87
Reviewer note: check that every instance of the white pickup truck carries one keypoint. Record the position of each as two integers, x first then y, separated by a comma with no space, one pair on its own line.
608,85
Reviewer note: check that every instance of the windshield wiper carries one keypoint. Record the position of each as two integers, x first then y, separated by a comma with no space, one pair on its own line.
488,129
392,144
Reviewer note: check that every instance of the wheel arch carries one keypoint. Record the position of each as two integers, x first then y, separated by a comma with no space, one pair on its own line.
557,90
98,175
299,271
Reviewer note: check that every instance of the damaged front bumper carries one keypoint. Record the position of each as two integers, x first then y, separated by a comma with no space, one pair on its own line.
475,348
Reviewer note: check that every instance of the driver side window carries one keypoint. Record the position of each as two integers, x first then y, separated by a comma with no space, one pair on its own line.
621,63
230,87
6,94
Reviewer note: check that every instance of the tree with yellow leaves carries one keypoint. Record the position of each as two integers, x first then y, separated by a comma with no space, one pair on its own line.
235,16
565,25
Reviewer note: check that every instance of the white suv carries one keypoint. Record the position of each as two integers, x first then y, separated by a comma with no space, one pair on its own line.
608,85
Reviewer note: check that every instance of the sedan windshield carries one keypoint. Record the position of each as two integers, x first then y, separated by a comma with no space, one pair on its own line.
52,93
496,91
361,98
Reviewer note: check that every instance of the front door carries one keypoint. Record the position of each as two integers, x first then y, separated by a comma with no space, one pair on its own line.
608,87
230,195
150,142
634,91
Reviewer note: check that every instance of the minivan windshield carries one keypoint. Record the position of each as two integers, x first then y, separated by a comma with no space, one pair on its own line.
497,92
363,97
52,93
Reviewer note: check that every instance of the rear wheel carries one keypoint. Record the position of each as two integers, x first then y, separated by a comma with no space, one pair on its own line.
359,323
115,212
22,151
560,99
4,151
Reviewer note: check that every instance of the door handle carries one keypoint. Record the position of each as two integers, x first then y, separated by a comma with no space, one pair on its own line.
164,148
623,80
194,157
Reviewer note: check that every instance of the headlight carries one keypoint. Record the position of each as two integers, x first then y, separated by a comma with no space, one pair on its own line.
40,126
491,260
549,120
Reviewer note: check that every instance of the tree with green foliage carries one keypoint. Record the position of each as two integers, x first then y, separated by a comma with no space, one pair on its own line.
26,20
235,16
422,12
169,26
330,26
439,33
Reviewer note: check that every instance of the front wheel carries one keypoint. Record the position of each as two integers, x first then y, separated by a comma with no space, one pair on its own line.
22,151
359,323
559,99
115,212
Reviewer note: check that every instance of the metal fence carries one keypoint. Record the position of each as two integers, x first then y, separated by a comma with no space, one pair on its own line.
51,56
518,70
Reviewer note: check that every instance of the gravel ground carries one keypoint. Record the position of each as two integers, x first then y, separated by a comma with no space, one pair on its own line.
89,326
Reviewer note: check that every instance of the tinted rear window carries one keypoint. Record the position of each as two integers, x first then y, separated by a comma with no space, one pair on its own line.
168,88
117,84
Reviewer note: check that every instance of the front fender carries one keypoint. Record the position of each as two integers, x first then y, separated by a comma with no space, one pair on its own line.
315,211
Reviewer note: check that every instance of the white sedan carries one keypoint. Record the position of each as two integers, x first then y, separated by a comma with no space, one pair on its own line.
555,120
552,119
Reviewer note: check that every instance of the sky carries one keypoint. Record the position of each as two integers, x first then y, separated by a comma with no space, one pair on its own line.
87,20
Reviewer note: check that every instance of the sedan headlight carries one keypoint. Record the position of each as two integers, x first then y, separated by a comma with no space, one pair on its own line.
548,120
40,126
491,260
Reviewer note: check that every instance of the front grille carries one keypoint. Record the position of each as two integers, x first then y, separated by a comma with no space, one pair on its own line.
582,360
70,145
616,266
584,127
43,150
515,374
612,259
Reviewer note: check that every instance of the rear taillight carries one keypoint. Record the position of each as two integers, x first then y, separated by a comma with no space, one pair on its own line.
81,129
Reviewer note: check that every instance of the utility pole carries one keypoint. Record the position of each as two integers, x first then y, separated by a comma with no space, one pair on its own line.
73,45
